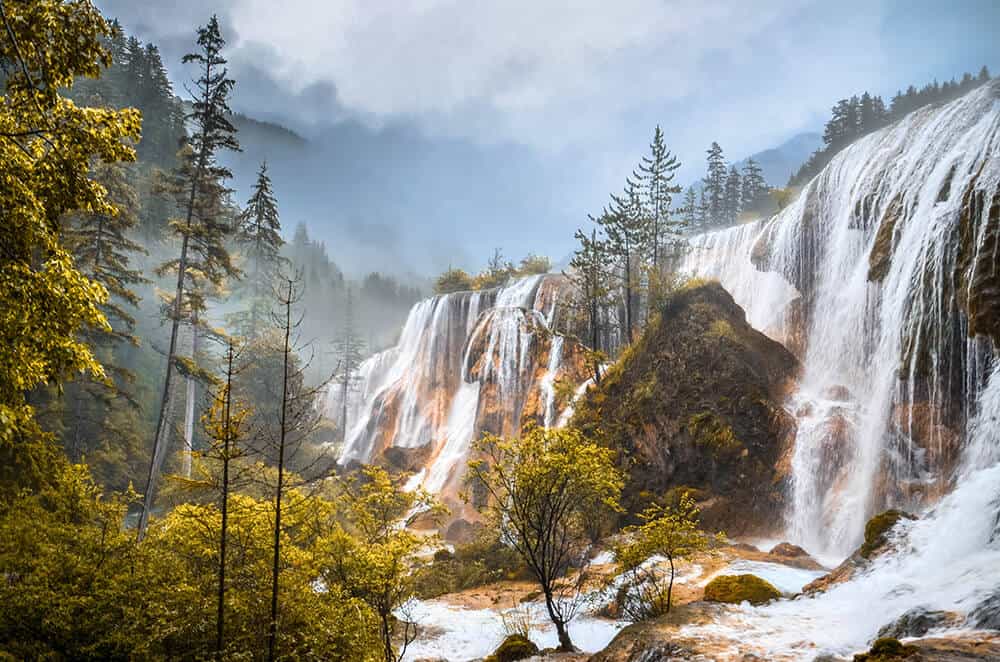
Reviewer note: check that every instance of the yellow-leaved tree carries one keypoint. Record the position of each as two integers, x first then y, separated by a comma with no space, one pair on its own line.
543,492
47,147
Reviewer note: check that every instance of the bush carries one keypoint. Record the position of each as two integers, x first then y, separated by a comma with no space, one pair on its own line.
483,561
453,280
515,647
739,588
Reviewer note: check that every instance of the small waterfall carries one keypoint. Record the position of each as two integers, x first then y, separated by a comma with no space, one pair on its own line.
466,363
866,277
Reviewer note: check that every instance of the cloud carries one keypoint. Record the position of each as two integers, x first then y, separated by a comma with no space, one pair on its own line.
539,108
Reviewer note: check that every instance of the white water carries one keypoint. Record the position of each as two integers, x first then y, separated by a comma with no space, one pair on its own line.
464,365
852,455
858,333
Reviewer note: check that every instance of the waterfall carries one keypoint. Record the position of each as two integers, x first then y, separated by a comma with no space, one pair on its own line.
864,278
466,363
875,277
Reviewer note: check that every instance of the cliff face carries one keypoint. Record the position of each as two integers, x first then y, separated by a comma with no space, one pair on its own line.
697,402
467,363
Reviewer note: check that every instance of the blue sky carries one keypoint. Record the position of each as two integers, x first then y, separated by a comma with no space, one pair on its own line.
552,102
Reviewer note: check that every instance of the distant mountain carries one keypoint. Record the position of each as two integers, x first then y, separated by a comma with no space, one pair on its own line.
779,163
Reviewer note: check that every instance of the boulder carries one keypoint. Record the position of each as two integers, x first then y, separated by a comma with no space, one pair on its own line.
986,615
740,588
885,649
876,543
877,531
919,621
697,402
514,647
788,550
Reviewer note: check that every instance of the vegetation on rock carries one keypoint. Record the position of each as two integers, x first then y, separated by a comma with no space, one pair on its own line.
877,530
718,432
514,647
886,649
740,588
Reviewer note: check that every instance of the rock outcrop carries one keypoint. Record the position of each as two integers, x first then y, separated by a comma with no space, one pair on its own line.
697,403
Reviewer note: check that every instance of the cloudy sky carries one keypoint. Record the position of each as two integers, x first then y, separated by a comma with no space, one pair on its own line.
509,120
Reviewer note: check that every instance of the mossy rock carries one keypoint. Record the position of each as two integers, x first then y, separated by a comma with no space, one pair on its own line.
514,647
886,649
740,588
877,529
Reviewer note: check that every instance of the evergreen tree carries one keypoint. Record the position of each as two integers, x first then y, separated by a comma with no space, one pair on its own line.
259,233
715,185
349,348
588,273
198,185
48,146
704,210
627,231
655,175
755,188
734,193
103,250
690,208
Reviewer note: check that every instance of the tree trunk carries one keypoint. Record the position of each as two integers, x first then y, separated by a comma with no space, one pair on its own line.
189,405
273,633
670,586
565,644
221,615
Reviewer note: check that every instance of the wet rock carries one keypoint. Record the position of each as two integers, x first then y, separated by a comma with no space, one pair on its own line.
877,531
839,393
986,615
514,647
722,429
886,649
876,543
880,258
788,550
919,621
735,589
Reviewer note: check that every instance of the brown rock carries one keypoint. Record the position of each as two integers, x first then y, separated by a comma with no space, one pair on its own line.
788,550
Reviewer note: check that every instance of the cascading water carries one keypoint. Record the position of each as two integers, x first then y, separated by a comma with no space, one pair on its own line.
466,363
865,277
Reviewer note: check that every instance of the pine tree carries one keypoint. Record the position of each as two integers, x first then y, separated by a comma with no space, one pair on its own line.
198,185
103,250
715,185
627,231
734,193
755,188
588,274
704,210
690,208
349,348
259,233
655,175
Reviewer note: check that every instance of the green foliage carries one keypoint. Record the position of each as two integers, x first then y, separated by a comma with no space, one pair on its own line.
453,280
498,271
671,532
877,530
369,554
48,145
859,115
533,265
482,561
740,588
714,435
545,490
259,235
